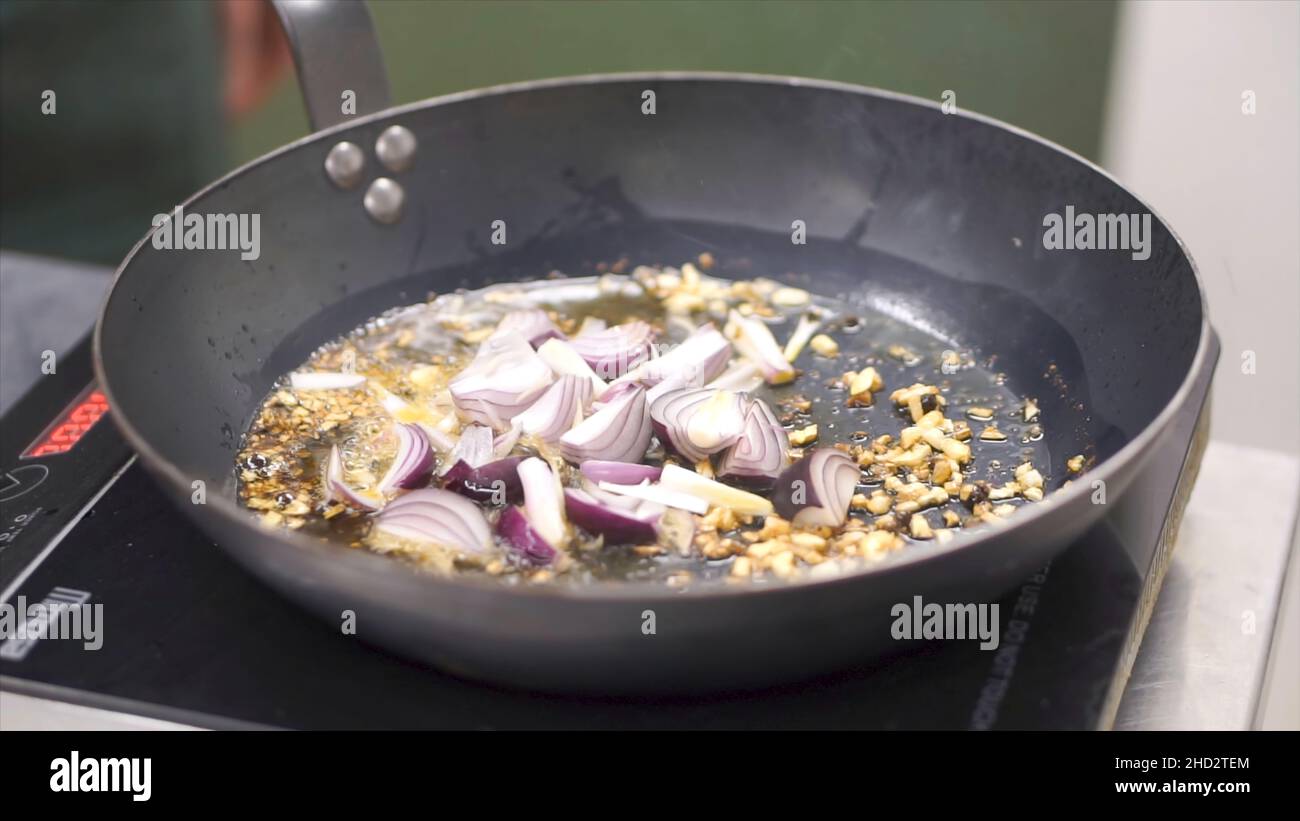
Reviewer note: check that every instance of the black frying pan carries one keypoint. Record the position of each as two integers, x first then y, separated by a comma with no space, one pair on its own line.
935,217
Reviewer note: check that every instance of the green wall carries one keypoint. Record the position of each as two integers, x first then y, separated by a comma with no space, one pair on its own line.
1040,65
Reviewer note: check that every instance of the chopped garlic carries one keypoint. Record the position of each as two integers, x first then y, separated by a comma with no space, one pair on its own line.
803,436
788,297
825,346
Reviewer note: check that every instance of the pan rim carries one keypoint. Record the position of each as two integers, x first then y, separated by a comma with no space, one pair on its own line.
164,470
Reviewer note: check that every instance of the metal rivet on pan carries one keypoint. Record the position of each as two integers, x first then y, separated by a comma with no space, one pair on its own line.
384,199
344,164
396,148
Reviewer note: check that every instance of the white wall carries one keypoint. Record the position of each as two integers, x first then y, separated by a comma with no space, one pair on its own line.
1228,182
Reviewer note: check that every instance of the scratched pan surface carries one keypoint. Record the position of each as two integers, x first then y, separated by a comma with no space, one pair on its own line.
933,220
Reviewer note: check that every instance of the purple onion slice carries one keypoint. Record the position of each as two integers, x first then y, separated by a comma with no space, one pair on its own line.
505,442
539,530
338,490
558,410
561,358
626,520
816,490
669,384
616,390
530,323
620,473
696,361
697,422
618,432
505,377
523,538
496,483
620,519
612,352
475,448
437,516
544,500
760,453
413,461
659,494
742,377
437,438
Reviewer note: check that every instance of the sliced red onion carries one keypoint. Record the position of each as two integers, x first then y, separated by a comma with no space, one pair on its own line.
620,473
659,494
591,324
618,432
338,490
616,390
628,520
667,385
539,530
761,452
544,500
531,323
396,406
754,340
476,447
681,480
741,377
403,411
413,461
620,519
496,483
697,360
612,352
564,360
505,378
440,441
558,410
697,422
438,516
523,538
816,490
504,443
325,380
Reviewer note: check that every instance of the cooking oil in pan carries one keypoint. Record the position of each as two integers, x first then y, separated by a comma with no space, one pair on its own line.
410,353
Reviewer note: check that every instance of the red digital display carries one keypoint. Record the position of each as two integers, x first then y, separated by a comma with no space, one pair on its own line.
68,428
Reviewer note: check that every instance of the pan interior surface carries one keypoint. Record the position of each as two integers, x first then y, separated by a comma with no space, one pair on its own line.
934,219
901,338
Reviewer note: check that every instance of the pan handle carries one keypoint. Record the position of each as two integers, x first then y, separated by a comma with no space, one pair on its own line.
335,52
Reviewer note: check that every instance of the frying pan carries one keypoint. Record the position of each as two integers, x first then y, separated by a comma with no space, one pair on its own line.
937,218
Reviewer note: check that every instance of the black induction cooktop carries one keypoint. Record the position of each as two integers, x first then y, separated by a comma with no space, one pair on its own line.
188,636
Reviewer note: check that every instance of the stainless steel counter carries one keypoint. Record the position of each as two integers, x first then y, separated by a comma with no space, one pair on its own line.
1204,659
